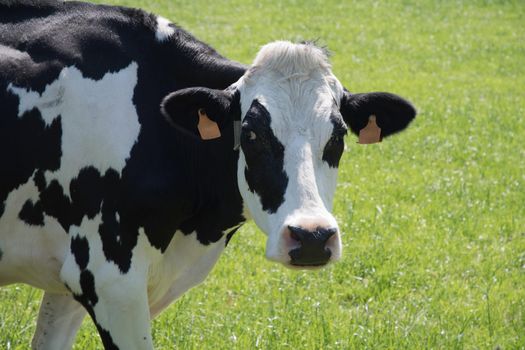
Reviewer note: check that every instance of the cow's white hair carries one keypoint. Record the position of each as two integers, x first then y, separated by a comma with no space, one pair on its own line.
164,30
289,58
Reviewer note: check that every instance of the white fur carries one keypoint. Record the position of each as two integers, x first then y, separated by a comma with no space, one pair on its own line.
59,319
31,254
295,84
164,31
185,264
99,121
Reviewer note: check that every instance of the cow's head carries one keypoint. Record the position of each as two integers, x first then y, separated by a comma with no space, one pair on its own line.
293,115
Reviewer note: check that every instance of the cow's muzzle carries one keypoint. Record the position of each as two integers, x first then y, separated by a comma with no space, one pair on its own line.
313,246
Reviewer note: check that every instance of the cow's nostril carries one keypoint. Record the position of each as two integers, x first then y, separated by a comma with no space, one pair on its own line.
323,234
313,248
297,233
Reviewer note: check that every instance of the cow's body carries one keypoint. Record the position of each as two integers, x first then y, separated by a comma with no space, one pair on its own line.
103,204
84,147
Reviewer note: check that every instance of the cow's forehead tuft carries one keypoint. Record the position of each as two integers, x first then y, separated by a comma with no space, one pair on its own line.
288,58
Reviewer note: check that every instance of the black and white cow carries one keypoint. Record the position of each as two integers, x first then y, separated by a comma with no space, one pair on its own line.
131,152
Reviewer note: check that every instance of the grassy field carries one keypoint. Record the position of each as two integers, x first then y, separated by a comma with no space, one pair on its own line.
433,219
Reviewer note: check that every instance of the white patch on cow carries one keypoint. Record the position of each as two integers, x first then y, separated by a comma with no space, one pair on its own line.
99,121
185,263
295,84
32,254
164,30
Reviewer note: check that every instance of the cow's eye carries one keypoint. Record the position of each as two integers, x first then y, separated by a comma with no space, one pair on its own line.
333,150
335,141
248,135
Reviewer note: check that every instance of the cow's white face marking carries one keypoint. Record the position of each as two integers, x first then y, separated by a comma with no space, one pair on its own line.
295,86
94,132
164,30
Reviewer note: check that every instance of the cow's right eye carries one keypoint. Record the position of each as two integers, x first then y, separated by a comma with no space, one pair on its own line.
248,135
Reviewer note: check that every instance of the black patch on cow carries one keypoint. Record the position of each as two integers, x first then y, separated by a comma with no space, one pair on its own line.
40,181
26,143
119,237
80,250
32,213
105,336
87,191
56,204
264,155
333,150
89,297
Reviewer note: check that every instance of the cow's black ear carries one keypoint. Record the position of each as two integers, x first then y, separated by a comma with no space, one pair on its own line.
393,113
186,108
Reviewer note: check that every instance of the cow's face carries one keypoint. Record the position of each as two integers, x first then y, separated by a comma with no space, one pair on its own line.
291,142
293,116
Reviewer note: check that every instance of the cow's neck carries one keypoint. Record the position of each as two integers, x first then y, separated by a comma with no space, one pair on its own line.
197,64
216,204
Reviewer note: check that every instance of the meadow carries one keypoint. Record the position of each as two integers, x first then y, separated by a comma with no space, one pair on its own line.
433,219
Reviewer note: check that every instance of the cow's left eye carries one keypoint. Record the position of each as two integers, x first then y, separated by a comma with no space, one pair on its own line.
335,141
333,150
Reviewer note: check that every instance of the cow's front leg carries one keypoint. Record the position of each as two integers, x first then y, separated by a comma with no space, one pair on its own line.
121,314
59,318
115,295
118,304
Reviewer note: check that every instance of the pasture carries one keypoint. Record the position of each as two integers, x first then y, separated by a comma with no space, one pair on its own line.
433,219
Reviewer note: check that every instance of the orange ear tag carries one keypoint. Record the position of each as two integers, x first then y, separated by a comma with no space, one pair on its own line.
208,129
371,133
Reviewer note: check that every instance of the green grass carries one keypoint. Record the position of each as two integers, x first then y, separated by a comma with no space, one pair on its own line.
433,219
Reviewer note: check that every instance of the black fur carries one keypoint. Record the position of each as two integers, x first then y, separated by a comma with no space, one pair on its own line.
264,171
89,297
32,213
80,250
393,113
106,338
333,150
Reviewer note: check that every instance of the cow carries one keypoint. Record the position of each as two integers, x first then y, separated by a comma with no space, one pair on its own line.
131,152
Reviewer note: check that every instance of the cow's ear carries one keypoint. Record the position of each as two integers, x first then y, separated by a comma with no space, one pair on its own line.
201,111
392,113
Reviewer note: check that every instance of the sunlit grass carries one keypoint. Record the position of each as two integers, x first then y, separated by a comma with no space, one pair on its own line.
433,219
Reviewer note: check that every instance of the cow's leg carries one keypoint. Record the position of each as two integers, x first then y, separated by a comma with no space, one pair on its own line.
112,286
121,314
59,318
118,304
